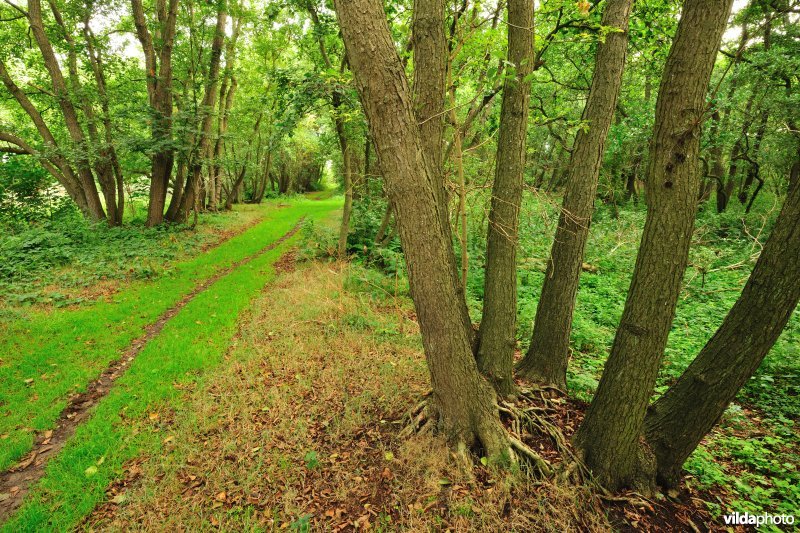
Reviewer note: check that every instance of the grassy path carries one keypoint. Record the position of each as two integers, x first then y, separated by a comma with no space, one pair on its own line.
79,344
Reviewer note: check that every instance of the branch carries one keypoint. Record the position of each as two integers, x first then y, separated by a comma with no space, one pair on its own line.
15,6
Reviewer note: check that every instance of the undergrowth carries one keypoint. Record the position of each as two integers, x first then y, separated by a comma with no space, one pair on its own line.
756,444
66,260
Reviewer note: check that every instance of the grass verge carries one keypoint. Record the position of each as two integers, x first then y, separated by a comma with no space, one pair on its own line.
134,417
50,355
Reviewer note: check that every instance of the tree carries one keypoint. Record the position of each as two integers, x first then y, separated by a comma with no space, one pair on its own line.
92,158
463,401
497,334
684,414
548,354
191,194
609,437
158,65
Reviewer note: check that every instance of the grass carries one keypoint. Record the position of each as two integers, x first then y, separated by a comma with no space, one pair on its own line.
296,431
277,413
134,417
65,260
49,355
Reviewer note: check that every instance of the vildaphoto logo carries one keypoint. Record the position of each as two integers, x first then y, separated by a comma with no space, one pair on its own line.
758,520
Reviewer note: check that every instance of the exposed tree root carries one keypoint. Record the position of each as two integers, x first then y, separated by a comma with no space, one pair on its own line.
496,439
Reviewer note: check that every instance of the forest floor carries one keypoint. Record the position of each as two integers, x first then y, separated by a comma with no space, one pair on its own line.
283,412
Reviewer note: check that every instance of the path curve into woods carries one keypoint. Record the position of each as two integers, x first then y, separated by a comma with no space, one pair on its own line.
18,480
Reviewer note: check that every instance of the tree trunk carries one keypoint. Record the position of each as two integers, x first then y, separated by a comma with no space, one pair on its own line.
753,171
226,94
84,171
191,195
347,209
430,75
431,67
548,354
497,334
159,89
609,438
737,153
678,420
387,217
462,399
54,161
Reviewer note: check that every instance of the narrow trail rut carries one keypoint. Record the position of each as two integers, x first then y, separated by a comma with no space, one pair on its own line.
16,482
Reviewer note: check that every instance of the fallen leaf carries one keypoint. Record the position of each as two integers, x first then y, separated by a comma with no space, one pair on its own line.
92,470
154,416
27,462
221,496
119,499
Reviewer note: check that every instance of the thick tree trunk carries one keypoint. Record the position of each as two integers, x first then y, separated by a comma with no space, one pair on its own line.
497,334
609,438
678,420
464,401
548,354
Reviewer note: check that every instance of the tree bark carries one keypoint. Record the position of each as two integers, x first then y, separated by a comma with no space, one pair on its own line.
609,438
83,167
158,64
548,354
53,161
191,191
226,95
464,402
678,420
431,68
430,77
497,334
109,150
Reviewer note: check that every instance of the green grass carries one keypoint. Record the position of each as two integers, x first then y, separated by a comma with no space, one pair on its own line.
193,341
63,351
61,261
